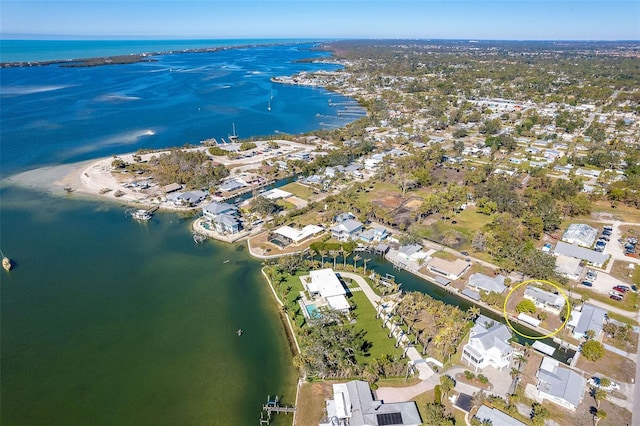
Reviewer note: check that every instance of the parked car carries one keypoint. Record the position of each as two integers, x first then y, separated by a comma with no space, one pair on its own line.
592,275
622,288
464,253
616,297
587,283
595,382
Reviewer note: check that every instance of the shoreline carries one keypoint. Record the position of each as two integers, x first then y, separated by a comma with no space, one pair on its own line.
131,58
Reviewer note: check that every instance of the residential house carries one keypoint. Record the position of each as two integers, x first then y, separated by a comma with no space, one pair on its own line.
496,417
214,209
568,266
223,217
353,405
324,283
188,199
484,282
347,230
411,252
341,217
559,384
488,345
231,185
593,257
287,235
544,299
588,318
374,235
450,269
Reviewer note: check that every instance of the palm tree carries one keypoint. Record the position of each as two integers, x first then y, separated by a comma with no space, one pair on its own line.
599,415
365,264
599,395
355,261
473,313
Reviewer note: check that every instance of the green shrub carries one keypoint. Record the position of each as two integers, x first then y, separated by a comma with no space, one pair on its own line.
469,375
483,379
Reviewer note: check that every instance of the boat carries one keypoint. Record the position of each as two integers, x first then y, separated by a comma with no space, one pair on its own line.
6,263
199,238
239,332
141,214
226,261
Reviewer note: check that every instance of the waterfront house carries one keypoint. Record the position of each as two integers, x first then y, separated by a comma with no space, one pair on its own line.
484,282
488,345
286,235
227,224
559,384
214,209
231,185
346,230
544,299
411,252
188,199
353,404
588,318
172,187
325,284
450,269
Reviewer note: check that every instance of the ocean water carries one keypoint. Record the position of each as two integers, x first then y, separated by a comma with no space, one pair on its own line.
52,50
109,321
53,115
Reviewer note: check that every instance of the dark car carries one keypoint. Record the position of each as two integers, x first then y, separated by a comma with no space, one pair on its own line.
615,297
622,288
587,283
464,253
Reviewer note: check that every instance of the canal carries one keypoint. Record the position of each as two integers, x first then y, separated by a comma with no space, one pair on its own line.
412,282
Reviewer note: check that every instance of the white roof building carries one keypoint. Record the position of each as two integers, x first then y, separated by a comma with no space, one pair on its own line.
298,235
488,344
353,405
325,282
580,234
560,385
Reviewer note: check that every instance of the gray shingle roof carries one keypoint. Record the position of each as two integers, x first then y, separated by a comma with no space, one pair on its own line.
560,382
591,318
545,297
487,283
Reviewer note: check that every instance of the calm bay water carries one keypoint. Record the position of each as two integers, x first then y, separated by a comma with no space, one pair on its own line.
108,321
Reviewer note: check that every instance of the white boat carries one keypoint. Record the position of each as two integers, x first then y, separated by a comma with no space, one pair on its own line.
6,263
239,332
141,214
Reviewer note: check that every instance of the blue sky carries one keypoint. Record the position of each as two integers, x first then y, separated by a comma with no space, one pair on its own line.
478,19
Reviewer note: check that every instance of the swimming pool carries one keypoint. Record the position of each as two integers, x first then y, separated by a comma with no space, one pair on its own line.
312,311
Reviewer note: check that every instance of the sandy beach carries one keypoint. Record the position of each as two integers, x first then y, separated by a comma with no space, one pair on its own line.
87,178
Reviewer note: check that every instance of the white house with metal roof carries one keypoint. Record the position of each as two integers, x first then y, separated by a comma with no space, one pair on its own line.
326,284
450,269
544,299
353,405
559,384
593,257
346,230
488,345
588,318
484,282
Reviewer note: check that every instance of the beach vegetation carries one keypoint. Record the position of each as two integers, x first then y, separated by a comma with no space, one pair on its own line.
191,168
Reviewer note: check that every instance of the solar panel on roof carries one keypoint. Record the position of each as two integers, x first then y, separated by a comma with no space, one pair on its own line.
389,419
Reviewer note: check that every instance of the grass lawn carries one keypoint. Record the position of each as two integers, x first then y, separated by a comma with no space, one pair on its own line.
629,303
299,190
366,320
621,271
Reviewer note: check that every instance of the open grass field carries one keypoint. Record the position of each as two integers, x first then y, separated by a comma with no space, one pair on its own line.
621,271
299,190
366,320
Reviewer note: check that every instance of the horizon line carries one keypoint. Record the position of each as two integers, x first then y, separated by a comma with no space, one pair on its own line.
70,37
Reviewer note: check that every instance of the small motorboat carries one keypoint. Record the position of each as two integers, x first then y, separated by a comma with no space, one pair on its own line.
239,332
6,263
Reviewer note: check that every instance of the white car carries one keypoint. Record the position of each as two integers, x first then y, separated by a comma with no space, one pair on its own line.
595,382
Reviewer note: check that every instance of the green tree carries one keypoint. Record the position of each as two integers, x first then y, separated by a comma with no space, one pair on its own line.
526,305
263,206
446,384
539,414
592,350
599,415
435,415
599,395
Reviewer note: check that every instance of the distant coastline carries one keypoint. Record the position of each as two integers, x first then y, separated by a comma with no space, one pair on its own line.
134,56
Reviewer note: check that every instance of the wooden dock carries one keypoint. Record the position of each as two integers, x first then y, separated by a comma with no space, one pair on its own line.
273,406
